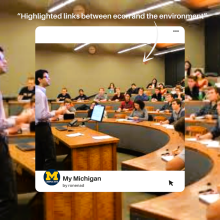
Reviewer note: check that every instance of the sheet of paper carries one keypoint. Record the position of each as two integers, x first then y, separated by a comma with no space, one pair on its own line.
205,142
156,123
213,144
200,117
167,158
121,119
74,135
209,199
101,137
168,126
187,118
191,139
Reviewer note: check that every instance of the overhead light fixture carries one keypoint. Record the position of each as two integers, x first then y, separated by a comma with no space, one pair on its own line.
152,7
81,46
132,48
59,5
169,51
207,15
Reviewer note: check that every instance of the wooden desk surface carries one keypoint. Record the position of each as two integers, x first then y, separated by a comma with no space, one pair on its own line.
18,102
84,140
24,134
183,205
208,121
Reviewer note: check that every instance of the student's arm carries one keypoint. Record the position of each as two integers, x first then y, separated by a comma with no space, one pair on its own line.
131,115
213,211
171,119
58,97
205,136
68,96
178,163
20,95
145,115
146,98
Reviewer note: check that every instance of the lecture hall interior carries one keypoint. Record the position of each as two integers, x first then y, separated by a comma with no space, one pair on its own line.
143,101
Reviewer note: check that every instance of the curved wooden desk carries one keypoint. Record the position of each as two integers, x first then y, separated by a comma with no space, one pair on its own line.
183,205
207,123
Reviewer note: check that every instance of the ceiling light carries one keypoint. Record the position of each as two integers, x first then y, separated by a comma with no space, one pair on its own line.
81,46
154,6
132,48
169,51
60,5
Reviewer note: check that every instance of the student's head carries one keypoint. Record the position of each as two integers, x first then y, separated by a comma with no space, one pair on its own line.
138,104
188,65
191,81
133,86
111,86
199,74
30,83
154,81
141,91
81,92
42,78
68,103
157,90
213,94
178,89
101,91
118,90
161,85
64,91
94,103
179,126
169,97
127,97
176,104
3,62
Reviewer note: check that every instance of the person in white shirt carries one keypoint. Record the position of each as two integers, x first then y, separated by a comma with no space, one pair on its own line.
45,152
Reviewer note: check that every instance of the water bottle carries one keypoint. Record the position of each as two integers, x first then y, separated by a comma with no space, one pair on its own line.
200,95
149,98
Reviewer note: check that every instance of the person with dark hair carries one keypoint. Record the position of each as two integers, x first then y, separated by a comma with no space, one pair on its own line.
188,67
192,90
153,84
81,96
139,112
178,163
215,132
202,82
63,95
133,89
157,95
28,91
45,153
163,90
209,111
112,88
168,104
177,112
8,191
118,96
126,105
141,96
179,93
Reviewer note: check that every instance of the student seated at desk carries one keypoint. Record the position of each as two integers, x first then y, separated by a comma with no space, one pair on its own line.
112,88
133,89
179,93
157,95
168,105
178,162
141,96
94,103
139,112
30,113
126,105
209,110
81,96
213,211
118,96
202,82
192,90
177,112
63,95
188,68
163,90
215,132
28,91
101,96
153,84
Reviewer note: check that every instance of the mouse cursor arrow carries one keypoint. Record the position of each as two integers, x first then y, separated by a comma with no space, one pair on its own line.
145,59
170,183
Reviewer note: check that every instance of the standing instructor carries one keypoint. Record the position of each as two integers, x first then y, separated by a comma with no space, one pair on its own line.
45,147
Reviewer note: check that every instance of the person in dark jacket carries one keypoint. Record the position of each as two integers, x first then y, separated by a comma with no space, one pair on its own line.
133,89
81,96
168,104
157,95
192,90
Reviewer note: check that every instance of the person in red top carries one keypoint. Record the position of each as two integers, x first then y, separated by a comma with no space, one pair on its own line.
126,105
